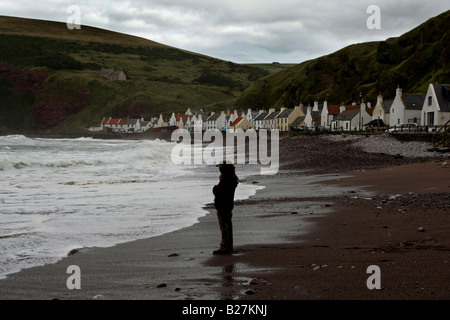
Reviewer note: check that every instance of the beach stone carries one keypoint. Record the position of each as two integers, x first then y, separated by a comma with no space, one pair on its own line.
421,229
427,240
254,281
162,285
98,297
73,251
316,268
250,292
173,255
324,266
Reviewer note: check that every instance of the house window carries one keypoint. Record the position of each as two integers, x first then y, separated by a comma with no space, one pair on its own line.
430,100
430,118
398,121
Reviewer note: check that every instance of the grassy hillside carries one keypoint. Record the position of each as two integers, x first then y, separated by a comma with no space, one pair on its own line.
50,81
414,60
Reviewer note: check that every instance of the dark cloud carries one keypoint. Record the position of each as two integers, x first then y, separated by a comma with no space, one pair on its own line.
243,31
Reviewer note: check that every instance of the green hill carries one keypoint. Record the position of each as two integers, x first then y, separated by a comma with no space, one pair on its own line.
50,77
414,60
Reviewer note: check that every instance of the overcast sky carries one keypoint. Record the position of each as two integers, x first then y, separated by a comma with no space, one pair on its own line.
243,31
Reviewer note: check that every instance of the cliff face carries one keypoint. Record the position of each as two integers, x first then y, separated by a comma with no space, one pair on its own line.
49,114
50,103
26,81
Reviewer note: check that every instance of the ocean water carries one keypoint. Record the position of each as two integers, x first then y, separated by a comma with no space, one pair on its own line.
60,194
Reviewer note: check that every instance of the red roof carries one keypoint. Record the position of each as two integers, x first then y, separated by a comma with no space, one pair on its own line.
235,122
335,109
182,116
105,121
114,121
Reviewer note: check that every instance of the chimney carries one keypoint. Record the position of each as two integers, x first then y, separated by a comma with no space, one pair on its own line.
341,109
399,91
282,109
316,106
325,105
380,98
271,110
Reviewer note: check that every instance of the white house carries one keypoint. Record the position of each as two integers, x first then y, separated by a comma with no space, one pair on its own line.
313,115
222,121
258,121
351,119
197,123
325,116
436,107
269,121
406,108
211,122
134,125
382,109
163,121
173,120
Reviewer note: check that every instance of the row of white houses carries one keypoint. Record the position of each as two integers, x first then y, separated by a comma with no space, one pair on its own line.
430,109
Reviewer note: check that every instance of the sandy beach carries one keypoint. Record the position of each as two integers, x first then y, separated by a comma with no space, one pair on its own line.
310,234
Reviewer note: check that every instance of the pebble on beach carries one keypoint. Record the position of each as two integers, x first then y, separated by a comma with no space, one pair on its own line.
173,255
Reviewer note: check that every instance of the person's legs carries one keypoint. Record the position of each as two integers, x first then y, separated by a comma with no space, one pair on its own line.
226,228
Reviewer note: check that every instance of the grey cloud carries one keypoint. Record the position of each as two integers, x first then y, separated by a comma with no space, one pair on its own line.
243,30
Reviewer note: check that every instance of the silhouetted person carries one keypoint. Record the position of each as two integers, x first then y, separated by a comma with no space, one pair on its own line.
224,203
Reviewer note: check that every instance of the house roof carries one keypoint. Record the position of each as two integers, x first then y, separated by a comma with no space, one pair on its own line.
285,113
114,121
132,121
298,121
387,105
105,121
347,115
413,101
334,109
443,96
261,116
182,116
235,122
214,117
272,115
123,121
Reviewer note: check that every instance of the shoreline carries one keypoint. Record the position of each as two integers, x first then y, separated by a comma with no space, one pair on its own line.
180,265
181,251
281,237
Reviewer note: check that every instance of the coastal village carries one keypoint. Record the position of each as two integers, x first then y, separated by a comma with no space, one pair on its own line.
408,111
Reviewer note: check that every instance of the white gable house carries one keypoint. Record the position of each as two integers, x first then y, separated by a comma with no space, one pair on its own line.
436,107
406,108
